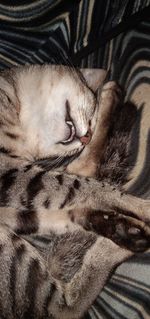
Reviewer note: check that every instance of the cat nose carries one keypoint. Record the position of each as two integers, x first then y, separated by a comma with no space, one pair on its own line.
86,138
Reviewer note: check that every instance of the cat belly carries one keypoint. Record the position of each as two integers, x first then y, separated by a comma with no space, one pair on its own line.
57,221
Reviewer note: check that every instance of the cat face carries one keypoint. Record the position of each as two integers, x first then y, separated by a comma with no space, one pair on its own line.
56,111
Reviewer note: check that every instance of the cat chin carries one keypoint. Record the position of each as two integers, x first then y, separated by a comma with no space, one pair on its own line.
58,161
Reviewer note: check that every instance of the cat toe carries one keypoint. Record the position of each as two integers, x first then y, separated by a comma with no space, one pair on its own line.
133,231
131,237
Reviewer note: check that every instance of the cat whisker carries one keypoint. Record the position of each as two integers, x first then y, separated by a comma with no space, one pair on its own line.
54,162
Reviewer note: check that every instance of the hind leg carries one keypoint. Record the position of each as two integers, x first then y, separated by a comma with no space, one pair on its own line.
93,267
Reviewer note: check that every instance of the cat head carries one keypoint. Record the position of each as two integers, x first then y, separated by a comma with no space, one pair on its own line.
56,111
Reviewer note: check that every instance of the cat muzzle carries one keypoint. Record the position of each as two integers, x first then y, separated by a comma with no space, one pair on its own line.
86,138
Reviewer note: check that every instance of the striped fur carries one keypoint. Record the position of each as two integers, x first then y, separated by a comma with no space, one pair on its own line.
31,44
45,279
36,204
60,258
38,241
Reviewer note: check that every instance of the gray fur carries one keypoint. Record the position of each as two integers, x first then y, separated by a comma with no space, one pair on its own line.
50,266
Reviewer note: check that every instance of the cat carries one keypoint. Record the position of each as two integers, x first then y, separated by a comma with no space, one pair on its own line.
50,122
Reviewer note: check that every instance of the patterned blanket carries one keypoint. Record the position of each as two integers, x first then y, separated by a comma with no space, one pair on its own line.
111,35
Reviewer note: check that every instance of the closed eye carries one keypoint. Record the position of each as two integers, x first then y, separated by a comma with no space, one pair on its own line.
72,133
70,124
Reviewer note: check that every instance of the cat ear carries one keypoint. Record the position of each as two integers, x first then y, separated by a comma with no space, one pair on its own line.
94,77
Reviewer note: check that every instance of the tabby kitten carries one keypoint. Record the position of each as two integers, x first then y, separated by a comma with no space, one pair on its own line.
51,267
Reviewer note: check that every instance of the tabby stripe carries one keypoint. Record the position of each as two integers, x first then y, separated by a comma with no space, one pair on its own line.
47,203
27,168
59,178
48,299
19,246
7,179
14,156
31,287
70,195
20,251
12,274
4,150
11,135
34,187
27,222
23,201
76,184
37,241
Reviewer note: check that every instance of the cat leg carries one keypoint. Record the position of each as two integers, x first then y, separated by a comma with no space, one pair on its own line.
125,231
53,276
80,289
25,283
89,160
34,190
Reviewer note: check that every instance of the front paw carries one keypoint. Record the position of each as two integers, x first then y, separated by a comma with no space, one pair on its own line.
112,91
125,231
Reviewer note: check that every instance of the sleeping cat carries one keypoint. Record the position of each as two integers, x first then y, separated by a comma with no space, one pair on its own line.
50,124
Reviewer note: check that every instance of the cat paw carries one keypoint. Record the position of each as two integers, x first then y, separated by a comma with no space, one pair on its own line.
125,231
112,91
135,238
